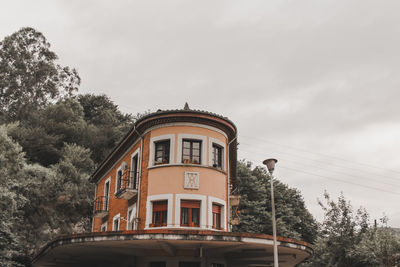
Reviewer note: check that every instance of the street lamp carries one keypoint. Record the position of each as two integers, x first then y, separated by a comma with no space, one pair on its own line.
270,163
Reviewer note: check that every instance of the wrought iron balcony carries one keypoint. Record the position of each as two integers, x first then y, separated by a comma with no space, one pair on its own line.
127,185
101,207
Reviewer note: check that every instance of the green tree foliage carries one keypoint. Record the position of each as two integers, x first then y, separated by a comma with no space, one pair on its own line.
346,239
293,219
378,247
41,203
90,121
106,125
44,133
11,201
60,198
29,76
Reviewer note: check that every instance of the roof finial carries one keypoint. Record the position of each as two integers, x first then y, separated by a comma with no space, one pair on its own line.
186,107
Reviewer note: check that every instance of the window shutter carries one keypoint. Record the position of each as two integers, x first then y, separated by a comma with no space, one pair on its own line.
190,204
216,208
160,206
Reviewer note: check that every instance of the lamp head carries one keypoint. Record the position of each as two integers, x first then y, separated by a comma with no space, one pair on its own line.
270,163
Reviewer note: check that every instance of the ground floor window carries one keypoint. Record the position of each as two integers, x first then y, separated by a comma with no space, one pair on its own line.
216,212
160,213
116,221
157,264
103,227
190,213
189,264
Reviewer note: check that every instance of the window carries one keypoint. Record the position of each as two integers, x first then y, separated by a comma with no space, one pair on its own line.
134,172
162,152
216,213
119,180
157,264
217,156
189,264
190,213
130,223
160,213
103,227
217,265
116,221
106,194
191,151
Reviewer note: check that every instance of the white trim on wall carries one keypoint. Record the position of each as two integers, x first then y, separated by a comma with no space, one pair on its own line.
128,220
134,154
203,140
189,124
171,138
149,209
221,202
120,168
109,189
212,141
116,217
103,225
203,209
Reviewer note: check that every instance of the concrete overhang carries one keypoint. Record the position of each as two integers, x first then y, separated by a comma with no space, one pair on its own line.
116,248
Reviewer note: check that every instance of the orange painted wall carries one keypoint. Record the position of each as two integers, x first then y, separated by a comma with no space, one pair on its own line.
167,180
115,205
163,179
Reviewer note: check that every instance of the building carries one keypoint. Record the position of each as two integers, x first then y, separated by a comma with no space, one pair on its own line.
164,197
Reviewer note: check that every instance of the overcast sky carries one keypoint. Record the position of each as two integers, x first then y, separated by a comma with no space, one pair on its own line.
312,83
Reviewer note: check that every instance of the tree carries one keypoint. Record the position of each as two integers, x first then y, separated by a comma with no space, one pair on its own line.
64,209
11,166
29,76
293,219
340,233
379,246
106,124
43,135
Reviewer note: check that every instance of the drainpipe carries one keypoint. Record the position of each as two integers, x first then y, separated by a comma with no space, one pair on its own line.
140,177
229,178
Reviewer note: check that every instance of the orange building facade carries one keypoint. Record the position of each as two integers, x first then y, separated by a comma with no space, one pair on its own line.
174,175
164,197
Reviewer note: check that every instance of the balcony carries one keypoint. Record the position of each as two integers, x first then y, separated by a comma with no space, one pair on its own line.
100,207
127,185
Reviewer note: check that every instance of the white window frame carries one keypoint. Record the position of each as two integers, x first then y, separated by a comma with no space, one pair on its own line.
116,217
222,203
212,141
149,209
203,209
201,138
105,227
136,153
109,189
120,168
171,138
133,209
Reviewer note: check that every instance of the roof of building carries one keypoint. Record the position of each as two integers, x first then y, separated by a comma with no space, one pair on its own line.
172,115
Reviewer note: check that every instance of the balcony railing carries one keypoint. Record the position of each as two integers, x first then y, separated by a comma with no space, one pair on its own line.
100,206
127,185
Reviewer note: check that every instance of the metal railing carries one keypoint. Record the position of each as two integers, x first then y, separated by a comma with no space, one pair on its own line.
100,204
129,180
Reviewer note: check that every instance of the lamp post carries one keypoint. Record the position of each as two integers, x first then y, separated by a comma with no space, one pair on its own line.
270,163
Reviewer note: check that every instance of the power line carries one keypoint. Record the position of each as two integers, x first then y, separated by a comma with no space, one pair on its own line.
336,179
348,182
321,154
333,164
338,172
